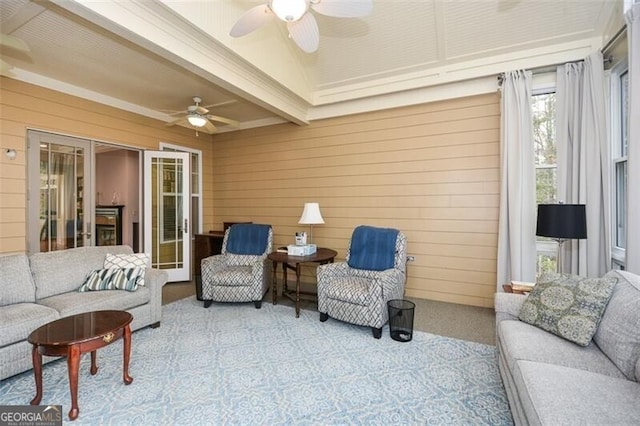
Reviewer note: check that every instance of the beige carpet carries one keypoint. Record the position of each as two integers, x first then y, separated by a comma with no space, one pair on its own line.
445,319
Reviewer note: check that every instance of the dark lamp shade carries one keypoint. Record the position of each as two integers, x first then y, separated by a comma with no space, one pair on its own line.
566,221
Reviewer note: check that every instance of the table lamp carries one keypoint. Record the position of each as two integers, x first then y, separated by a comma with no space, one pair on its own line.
561,222
311,216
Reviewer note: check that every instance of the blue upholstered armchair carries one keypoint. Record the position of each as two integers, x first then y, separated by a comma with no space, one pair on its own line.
374,272
239,273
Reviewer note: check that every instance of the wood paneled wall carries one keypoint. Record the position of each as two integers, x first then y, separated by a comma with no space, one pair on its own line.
430,170
25,106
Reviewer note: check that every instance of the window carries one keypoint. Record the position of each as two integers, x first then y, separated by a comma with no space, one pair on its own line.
620,143
544,138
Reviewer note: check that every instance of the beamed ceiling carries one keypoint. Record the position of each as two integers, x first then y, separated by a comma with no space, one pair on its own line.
151,57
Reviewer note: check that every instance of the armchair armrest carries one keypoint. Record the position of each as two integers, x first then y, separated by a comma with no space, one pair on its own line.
392,282
329,270
213,263
507,306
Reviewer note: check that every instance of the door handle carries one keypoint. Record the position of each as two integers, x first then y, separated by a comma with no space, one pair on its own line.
186,229
88,233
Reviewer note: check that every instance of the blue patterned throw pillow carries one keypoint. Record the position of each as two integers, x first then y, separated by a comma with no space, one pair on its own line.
112,279
140,260
568,306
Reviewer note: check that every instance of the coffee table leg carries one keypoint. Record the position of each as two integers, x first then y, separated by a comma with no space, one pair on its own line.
127,353
73,363
37,372
94,363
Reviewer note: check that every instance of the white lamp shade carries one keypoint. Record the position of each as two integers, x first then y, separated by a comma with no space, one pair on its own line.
196,120
311,214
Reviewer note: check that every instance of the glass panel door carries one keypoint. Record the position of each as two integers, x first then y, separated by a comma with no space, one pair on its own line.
167,209
59,195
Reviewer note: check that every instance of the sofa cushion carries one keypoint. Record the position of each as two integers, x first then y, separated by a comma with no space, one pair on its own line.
74,302
569,306
520,341
58,272
557,395
112,279
618,335
16,283
125,261
17,321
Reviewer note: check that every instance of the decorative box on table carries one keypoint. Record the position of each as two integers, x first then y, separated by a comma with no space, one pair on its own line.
301,250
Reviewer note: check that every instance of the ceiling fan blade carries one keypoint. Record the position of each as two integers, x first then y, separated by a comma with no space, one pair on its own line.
201,110
223,120
305,33
177,121
343,8
14,43
252,19
219,104
209,127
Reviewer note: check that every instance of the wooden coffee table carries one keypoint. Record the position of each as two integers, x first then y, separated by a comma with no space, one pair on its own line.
321,256
71,337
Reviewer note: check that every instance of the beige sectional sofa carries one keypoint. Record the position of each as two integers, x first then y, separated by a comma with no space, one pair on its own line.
552,381
42,287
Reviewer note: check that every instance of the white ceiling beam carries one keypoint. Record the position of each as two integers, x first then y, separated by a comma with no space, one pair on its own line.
158,29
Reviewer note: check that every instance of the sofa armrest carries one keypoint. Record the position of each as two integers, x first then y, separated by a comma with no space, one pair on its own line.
155,279
507,306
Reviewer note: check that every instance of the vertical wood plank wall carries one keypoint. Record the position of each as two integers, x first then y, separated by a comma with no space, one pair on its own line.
24,106
430,170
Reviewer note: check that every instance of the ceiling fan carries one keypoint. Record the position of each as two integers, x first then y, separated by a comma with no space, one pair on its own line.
198,117
301,24
13,43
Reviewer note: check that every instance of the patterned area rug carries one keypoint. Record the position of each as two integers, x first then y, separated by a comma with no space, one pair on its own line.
234,364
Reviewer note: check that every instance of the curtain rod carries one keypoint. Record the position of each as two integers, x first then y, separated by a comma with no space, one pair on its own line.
552,68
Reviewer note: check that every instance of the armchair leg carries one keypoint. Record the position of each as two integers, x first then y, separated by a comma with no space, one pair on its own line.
377,332
207,303
258,303
324,316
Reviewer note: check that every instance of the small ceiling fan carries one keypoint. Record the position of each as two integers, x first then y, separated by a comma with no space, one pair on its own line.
301,24
13,43
198,117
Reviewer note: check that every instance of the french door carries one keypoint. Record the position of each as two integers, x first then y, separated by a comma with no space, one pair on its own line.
60,199
167,202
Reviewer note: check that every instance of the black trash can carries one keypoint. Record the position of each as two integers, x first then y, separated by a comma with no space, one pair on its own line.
401,319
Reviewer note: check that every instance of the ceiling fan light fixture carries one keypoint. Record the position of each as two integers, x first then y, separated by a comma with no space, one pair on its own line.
289,10
196,120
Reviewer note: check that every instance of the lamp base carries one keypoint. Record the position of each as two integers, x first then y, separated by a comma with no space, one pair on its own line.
559,255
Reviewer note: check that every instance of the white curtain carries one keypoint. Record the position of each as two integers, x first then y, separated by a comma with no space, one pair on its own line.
583,161
516,228
633,151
